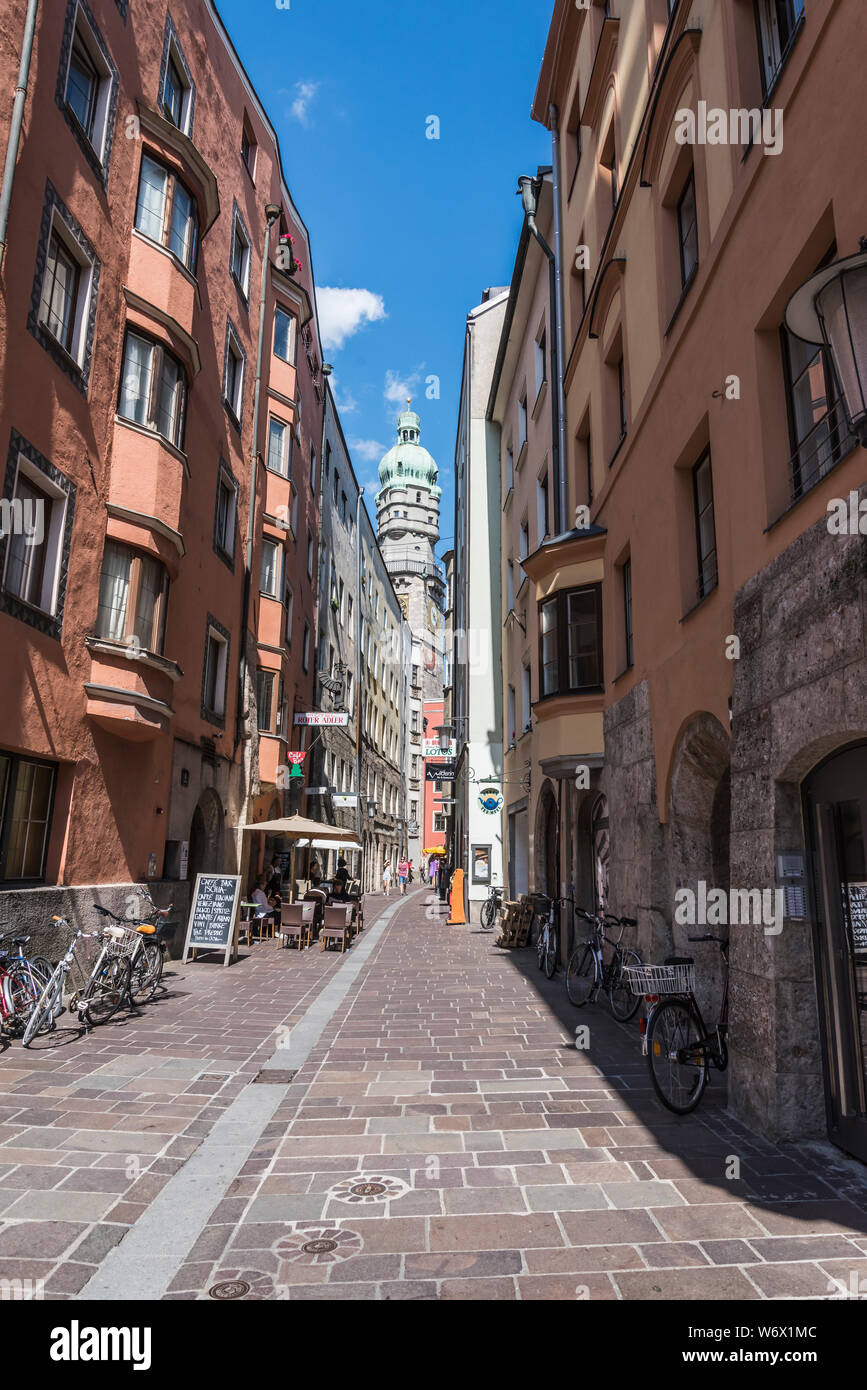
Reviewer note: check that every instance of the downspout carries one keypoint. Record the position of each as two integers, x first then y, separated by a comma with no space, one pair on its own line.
559,517
561,319
271,218
358,623
16,123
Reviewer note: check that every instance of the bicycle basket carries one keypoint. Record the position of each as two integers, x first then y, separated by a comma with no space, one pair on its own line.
660,979
120,941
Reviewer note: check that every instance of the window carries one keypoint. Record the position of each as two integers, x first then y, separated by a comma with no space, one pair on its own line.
226,513
510,586
777,23
248,149
309,555
340,592
570,641
524,545
26,802
270,574
627,609
279,436
621,394
608,161
60,293
216,669
173,92
526,712
133,594
233,375
540,359
289,605
33,549
63,298
166,212
510,707
542,507
240,255
522,422
152,388
510,468
584,457
818,430
87,89
313,469
439,824
687,231
284,335
705,531
264,699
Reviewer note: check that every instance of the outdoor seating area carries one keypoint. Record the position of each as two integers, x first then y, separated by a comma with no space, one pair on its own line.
304,910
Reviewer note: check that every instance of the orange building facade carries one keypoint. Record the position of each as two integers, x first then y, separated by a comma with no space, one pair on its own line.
157,640
705,448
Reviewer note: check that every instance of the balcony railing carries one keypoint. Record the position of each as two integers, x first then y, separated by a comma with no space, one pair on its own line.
820,450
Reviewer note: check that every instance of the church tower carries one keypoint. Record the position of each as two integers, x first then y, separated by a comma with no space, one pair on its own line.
407,518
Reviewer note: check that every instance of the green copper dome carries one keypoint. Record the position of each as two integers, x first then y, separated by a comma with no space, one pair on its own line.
407,464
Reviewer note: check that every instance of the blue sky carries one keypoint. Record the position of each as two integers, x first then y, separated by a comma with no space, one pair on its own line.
421,226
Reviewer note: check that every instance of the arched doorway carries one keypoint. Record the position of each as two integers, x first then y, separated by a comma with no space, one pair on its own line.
835,818
600,842
546,843
207,830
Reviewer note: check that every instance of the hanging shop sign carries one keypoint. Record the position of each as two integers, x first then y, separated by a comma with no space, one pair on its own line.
430,748
439,772
490,800
317,718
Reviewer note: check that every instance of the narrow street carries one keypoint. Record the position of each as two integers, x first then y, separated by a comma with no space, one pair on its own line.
408,1121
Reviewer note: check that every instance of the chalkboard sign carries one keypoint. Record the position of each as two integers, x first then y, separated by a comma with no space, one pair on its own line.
858,914
213,914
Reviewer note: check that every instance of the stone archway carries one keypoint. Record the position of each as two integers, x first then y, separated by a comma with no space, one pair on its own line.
546,843
207,831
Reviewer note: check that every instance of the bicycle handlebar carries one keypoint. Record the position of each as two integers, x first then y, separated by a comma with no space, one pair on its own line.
708,936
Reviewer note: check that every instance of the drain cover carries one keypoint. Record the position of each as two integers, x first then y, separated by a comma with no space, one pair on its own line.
367,1189
275,1078
319,1247
232,1288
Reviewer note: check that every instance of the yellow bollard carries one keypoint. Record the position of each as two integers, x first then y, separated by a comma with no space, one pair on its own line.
456,900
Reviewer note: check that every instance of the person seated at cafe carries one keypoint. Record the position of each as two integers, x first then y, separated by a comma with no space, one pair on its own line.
275,878
315,874
266,909
341,878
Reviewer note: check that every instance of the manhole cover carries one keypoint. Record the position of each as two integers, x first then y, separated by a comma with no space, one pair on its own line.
232,1288
275,1078
319,1247
369,1187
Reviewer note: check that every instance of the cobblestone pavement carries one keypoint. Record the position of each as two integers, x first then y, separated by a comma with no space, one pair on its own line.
442,1138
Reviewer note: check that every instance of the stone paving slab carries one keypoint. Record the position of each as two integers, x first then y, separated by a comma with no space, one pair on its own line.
442,1139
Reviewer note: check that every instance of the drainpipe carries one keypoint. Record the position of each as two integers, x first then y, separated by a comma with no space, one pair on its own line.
16,122
529,189
272,212
561,318
358,622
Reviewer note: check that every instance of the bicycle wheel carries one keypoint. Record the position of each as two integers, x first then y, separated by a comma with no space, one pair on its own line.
581,974
486,916
551,953
540,946
678,1064
624,1004
45,1010
146,973
25,989
105,993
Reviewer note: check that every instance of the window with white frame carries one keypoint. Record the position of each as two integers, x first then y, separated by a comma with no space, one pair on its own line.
777,22
264,699
526,712
510,715
284,334
177,90
289,605
215,674
524,544
279,445
133,595
271,572
64,291
510,467
87,88
240,255
35,540
233,374
226,513
510,586
309,555
153,388
522,421
166,211
540,359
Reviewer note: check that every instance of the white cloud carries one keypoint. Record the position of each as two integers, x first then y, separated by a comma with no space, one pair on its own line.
398,387
343,312
347,403
368,449
304,94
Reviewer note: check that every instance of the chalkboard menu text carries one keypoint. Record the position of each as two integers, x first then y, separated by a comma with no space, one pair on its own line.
213,914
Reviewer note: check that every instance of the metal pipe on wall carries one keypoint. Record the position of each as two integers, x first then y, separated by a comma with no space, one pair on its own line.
16,123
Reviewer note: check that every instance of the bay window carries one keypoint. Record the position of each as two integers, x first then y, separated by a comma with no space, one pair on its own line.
166,212
153,388
133,596
570,641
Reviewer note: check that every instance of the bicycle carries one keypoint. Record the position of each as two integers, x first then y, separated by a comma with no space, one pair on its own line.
102,995
491,909
547,944
679,1048
145,951
22,980
587,973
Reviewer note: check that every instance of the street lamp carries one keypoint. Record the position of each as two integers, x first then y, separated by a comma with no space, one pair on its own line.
445,733
371,806
831,308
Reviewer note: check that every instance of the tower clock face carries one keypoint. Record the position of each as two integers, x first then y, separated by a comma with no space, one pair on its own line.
433,617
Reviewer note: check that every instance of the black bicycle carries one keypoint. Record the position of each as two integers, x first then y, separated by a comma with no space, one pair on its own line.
588,973
491,909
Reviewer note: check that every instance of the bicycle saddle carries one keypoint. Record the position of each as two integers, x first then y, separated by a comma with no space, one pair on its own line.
679,960
17,940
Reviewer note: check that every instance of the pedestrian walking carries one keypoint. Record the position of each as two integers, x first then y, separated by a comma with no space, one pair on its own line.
386,878
402,875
